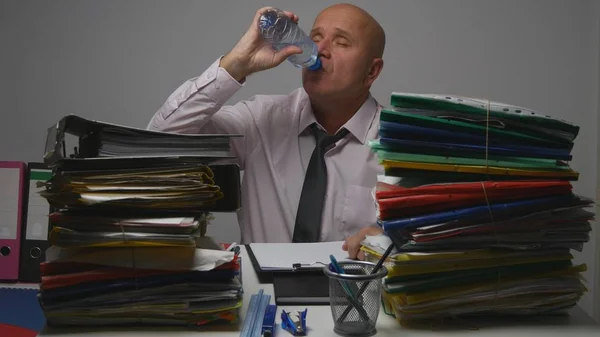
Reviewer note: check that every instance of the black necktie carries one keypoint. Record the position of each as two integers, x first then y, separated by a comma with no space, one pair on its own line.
310,207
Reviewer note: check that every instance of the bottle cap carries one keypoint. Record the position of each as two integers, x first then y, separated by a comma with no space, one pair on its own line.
268,19
316,66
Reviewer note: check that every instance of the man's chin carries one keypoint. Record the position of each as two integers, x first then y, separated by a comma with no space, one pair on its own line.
317,92
316,88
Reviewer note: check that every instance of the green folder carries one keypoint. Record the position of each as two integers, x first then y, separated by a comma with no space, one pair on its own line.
479,107
508,162
493,133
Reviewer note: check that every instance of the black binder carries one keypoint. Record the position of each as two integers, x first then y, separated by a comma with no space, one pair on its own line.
35,225
101,141
103,146
299,286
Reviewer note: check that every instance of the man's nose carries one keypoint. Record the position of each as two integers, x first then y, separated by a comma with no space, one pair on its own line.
323,48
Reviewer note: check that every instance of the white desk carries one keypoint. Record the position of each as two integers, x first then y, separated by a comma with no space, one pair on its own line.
320,324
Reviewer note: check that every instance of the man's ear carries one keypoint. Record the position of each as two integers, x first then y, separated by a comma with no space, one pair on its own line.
374,70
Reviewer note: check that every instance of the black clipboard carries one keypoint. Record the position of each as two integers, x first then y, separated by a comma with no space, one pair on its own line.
300,285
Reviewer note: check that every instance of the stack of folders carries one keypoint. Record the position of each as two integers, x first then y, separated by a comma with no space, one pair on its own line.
128,239
483,215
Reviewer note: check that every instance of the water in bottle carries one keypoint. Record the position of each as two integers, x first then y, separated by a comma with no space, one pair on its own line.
280,31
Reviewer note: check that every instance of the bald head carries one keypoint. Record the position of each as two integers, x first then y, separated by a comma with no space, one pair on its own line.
350,44
371,29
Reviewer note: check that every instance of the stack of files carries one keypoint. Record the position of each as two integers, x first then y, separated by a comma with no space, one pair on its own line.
520,215
115,141
128,236
188,286
178,188
460,138
99,140
483,216
140,176
77,229
426,286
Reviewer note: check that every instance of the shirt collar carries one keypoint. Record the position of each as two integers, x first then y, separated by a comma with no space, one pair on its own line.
358,125
307,118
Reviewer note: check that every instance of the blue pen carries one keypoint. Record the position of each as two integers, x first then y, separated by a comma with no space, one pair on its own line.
336,266
338,269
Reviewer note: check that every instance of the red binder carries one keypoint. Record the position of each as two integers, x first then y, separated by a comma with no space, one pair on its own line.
385,190
64,274
395,201
12,179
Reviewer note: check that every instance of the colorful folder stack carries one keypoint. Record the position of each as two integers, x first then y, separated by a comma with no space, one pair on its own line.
483,216
128,242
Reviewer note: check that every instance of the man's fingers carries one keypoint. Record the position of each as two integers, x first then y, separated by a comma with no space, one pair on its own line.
345,246
286,52
352,253
353,247
361,255
292,16
373,231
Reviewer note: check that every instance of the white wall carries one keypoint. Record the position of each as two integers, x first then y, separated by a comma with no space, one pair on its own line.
118,60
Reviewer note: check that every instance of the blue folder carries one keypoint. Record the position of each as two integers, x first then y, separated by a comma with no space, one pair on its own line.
20,307
529,205
424,147
393,130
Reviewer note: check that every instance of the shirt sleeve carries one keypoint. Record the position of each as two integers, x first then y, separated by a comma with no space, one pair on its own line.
197,107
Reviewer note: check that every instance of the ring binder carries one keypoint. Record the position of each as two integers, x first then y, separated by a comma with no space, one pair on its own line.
101,141
12,178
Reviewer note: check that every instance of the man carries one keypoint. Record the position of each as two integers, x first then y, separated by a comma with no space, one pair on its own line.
279,148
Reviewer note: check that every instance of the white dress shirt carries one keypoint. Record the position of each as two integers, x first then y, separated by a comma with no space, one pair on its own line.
274,154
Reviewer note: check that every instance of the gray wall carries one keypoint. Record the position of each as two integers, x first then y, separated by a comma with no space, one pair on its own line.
597,236
118,61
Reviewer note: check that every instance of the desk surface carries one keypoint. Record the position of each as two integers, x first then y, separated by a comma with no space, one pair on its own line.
320,323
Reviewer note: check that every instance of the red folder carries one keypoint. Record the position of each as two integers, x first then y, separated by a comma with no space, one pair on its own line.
101,273
12,176
395,201
385,190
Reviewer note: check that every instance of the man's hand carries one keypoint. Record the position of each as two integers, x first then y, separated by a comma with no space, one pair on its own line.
352,244
252,54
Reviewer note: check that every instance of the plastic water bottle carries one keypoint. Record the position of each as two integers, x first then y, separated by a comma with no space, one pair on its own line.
280,31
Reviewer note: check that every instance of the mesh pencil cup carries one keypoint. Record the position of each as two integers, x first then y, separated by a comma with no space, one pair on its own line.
355,297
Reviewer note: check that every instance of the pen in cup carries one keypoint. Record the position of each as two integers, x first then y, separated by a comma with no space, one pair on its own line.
350,288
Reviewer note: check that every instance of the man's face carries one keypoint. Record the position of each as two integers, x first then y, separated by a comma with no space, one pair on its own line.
343,42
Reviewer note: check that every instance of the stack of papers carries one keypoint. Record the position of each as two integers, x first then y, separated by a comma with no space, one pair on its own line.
118,141
73,229
145,285
102,140
177,188
483,217
456,138
129,237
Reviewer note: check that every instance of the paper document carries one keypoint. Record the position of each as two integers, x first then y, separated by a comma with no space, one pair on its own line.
282,256
155,258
